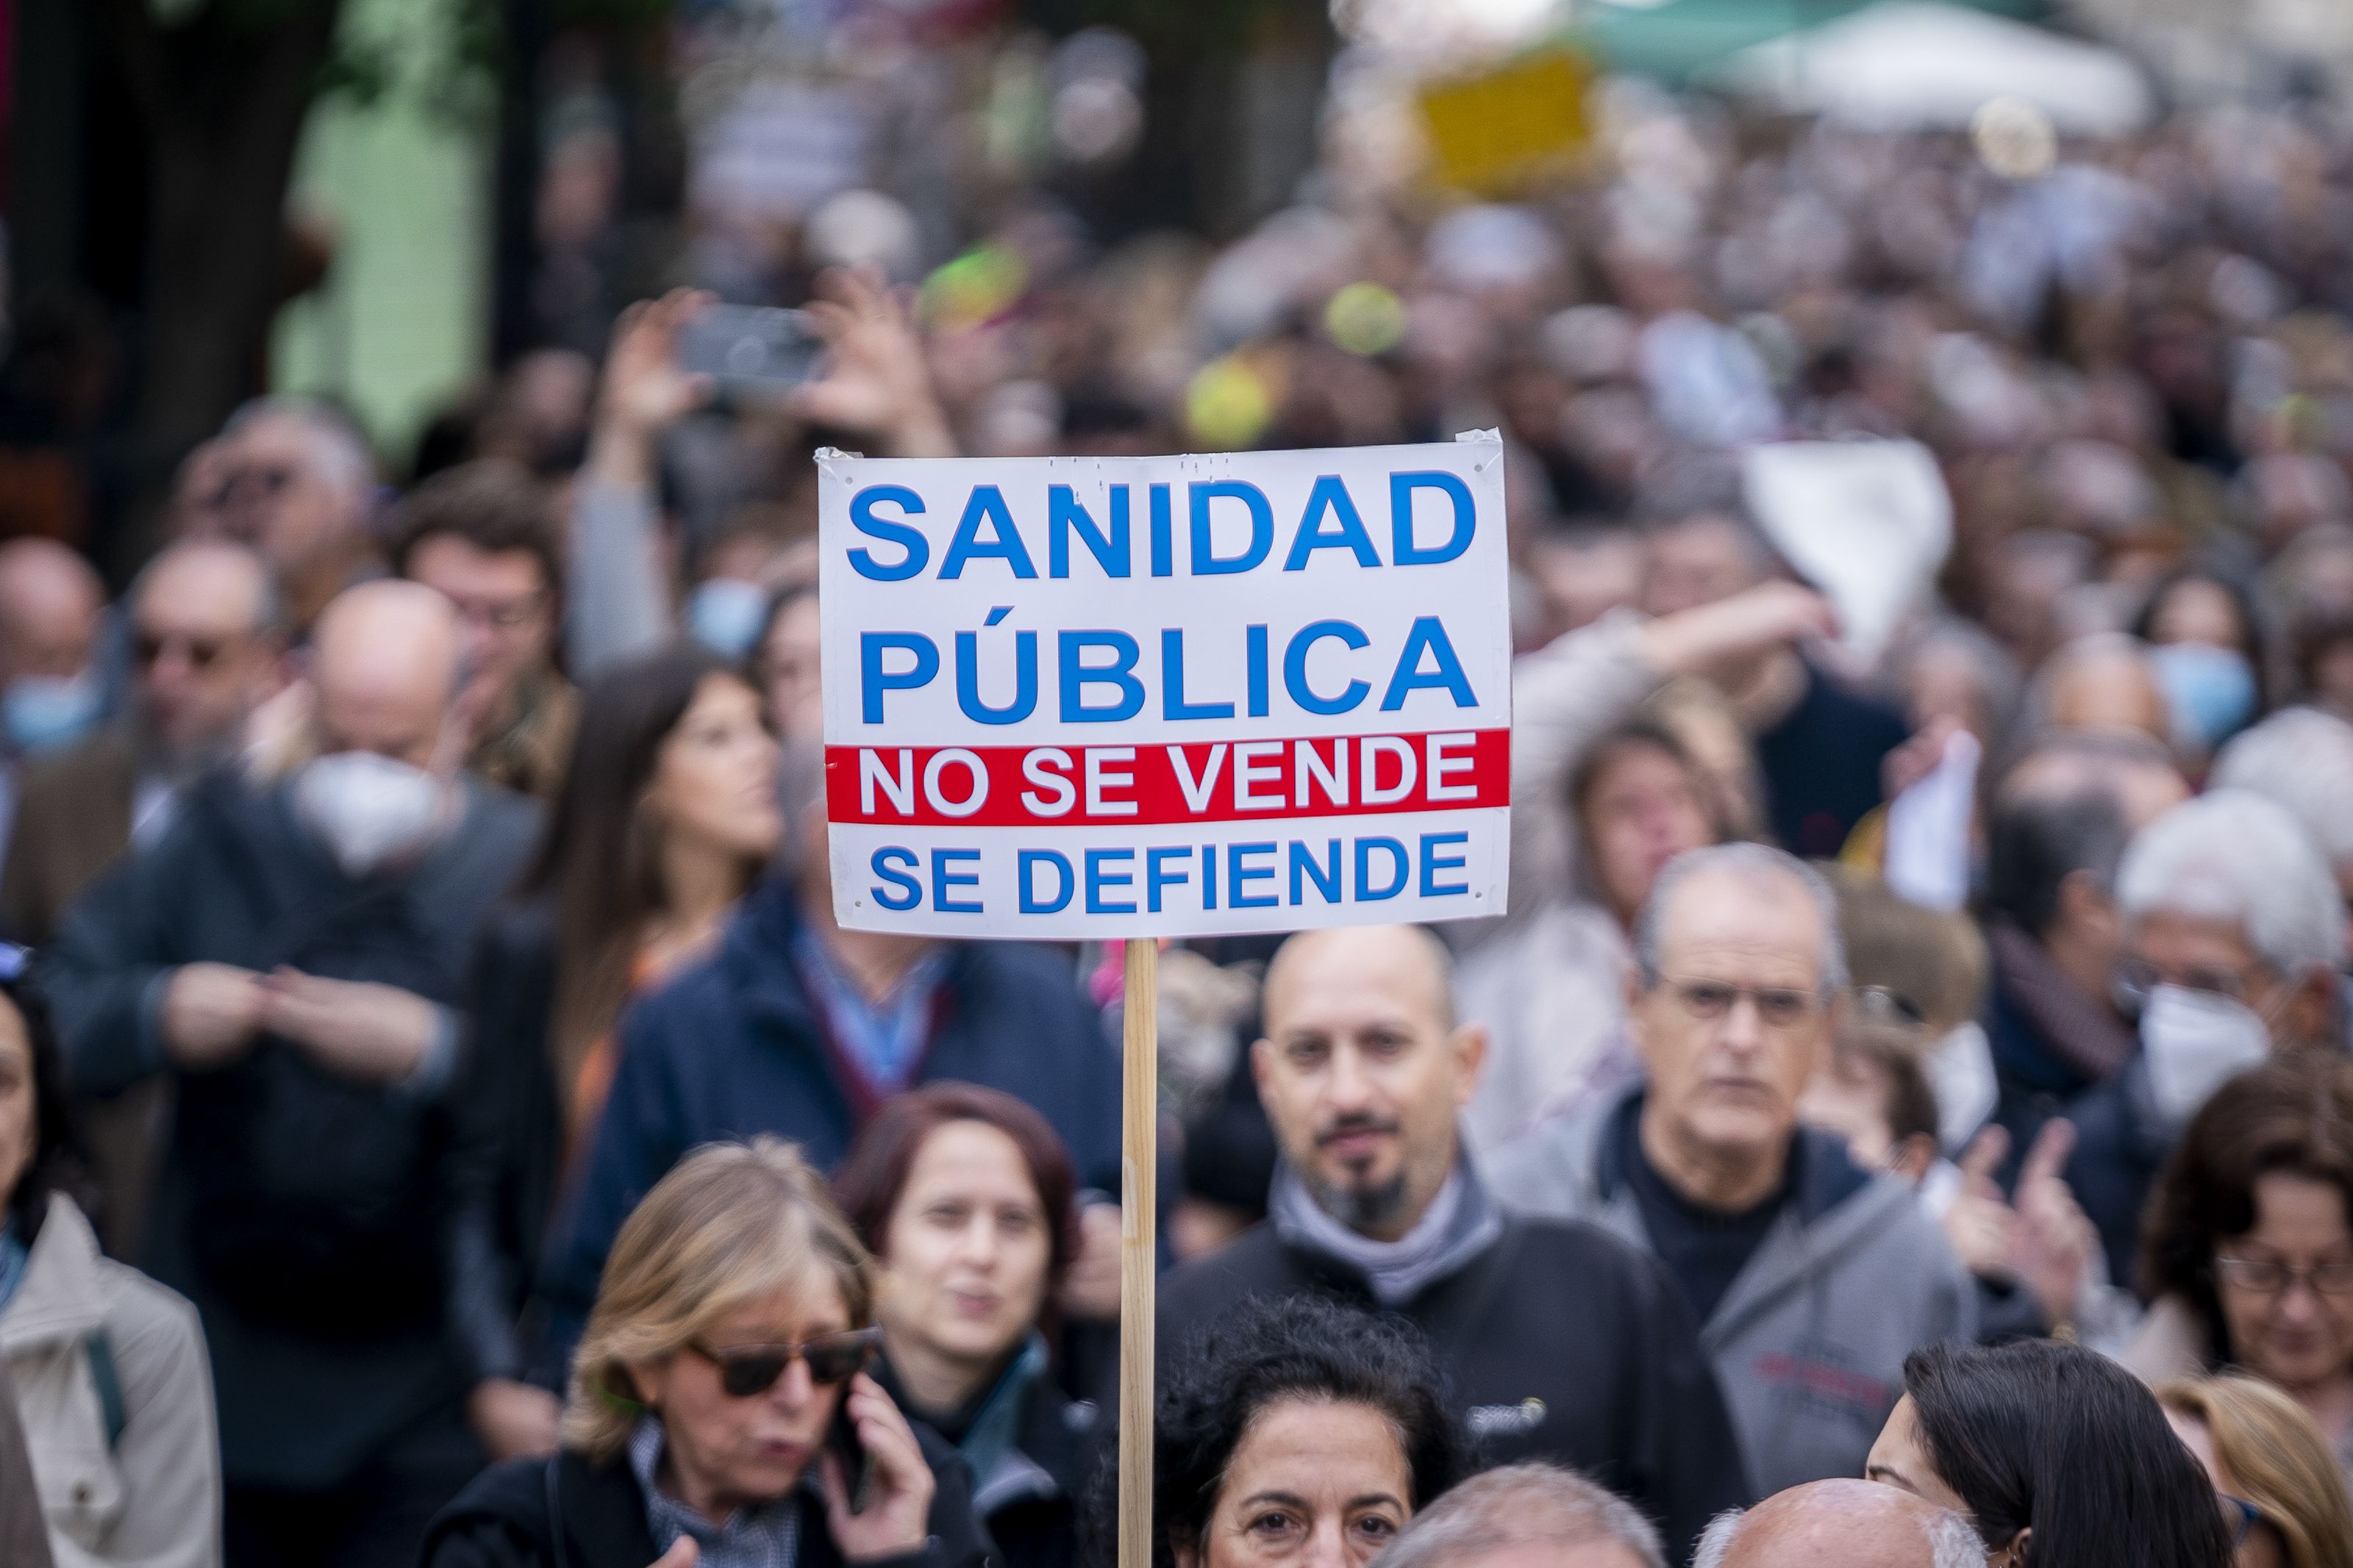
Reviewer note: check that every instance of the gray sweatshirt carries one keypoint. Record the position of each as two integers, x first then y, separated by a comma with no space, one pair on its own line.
1809,1343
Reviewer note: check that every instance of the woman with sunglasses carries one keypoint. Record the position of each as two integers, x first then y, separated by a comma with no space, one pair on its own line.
2281,1494
714,1397
966,1196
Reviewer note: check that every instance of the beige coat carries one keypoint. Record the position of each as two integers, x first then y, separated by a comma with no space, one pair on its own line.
154,1500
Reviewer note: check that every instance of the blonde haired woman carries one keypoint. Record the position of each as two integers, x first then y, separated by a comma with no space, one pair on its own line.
2273,1469
731,1329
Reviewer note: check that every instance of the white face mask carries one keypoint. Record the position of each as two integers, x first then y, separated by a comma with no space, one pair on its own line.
1960,1071
2193,1041
368,810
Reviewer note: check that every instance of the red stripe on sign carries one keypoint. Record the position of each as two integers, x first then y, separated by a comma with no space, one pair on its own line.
1201,781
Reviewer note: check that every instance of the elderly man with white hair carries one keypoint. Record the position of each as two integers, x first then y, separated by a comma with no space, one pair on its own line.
1842,1524
2233,934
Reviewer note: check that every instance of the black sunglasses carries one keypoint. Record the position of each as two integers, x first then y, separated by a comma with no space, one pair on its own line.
746,1371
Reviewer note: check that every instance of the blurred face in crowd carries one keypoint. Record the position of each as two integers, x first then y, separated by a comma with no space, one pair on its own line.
505,604
278,484
1698,562
1945,681
1850,1096
1735,1023
1584,576
714,780
2109,685
2286,1286
2195,610
19,1118
386,669
1363,1071
1312,1484
2203,953
788,662
966,1254
1643,809
722,1452
50,605
202,659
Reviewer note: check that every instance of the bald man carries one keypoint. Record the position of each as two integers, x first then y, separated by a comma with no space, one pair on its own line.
289,954
1842,1524
1560,1341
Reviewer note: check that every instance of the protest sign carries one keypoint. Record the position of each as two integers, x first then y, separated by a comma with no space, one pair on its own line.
1146,697
1165,696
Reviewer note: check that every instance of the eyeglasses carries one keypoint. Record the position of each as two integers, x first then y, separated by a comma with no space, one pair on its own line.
2270,1277
268,479
2135,978
746,1371
1884,1004
202,653
2240,1517
1780,1006
503,614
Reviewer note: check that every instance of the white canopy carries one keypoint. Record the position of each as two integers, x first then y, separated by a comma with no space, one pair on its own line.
1910,64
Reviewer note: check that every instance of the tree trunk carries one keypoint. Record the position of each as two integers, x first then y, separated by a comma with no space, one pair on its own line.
225,96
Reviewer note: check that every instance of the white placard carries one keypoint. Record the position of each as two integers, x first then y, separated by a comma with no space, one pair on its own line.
1074,697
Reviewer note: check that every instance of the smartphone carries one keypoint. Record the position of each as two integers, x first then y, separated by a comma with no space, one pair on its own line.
750,347
857,1472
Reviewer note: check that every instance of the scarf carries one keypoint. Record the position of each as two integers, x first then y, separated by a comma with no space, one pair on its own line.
1460,1223
2078,1029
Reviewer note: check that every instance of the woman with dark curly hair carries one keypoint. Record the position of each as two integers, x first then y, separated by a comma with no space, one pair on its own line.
1299,1426
2247,1252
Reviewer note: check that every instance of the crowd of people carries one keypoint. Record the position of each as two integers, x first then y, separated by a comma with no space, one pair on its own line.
1905,1117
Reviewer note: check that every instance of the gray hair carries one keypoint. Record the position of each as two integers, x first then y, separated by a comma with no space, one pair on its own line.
343,453
1752,863
1953,1541
2302,760
2231,855
1521,1505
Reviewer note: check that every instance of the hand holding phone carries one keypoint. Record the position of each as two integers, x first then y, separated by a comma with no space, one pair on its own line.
750,347
883,1506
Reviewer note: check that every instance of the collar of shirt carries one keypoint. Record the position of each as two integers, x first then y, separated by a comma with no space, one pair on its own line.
885,1037
765,1535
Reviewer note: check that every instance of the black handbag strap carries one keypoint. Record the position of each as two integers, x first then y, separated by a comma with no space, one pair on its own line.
561,1558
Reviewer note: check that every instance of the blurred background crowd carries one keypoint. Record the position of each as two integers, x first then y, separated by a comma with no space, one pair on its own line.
1919,1050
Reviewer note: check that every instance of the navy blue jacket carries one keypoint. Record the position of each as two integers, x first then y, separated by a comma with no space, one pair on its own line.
732,1048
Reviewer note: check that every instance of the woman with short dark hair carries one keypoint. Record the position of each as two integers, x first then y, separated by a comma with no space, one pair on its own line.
2060,1458
966,1199
1300,1419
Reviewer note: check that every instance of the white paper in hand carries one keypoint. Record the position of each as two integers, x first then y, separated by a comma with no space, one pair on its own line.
1868,522
1927,860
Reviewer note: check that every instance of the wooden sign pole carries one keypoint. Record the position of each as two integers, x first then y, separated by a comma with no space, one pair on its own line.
1138,1254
